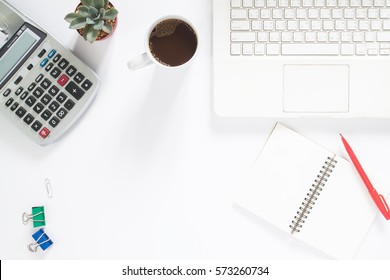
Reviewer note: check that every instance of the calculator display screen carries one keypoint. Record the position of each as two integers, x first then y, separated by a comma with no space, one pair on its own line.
17,50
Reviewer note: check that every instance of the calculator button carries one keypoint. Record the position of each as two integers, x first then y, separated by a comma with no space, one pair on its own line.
55,72
31,87
9,102
63,80
19,91
61,97
36,126
44,132
24,95
71,71
87,84
54,90
7,92
54,106
79,78
49,67
46,115
57,58
51,53
62,113
44,62
20,112
41,53
74,90
39,78
69,105
38,92
30,66
38,108
28,119
45,84
63,64
54,122
14,106
18,80
31,101
46,99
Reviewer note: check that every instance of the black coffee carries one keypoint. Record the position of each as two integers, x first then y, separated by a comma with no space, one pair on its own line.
173,42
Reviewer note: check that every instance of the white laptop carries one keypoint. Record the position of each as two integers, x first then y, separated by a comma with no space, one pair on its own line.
294,58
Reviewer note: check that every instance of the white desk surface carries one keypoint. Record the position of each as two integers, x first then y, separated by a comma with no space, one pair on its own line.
150,172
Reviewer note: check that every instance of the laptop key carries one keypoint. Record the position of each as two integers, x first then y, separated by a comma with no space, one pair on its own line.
310,49
241,25
273,49
383,36
238,14
235,49
243,36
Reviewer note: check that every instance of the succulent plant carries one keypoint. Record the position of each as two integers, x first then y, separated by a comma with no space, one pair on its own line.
92,17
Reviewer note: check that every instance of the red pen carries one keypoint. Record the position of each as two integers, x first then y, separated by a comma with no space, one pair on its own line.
378,198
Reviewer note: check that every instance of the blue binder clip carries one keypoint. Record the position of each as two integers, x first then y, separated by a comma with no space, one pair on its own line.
41,240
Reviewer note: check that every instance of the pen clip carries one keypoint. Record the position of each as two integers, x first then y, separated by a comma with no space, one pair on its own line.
384,203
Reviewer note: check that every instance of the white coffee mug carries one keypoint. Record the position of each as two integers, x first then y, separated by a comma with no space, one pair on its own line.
148,58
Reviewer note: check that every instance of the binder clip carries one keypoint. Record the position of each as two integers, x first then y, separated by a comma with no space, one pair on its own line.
37,216
41,240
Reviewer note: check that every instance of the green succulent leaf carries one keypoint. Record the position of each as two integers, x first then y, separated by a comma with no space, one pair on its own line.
99,25
93,12
87,2
106,3
84,11
102,13
92,34
85,31
98,4
111,14
107,27
78,23
90,21
99,18
71,16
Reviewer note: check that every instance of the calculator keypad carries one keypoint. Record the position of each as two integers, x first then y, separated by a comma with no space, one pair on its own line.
74,90
9,102
28,119
53,93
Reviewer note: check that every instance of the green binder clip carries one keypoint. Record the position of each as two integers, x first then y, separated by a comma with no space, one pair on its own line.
37,216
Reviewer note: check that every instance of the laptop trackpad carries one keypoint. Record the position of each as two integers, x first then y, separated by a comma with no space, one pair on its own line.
316,88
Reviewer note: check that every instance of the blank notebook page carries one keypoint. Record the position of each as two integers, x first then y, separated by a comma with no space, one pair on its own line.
280,180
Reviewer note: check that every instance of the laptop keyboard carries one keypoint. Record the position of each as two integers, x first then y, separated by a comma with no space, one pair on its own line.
310,27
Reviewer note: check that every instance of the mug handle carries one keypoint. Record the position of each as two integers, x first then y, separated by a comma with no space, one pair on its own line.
139,62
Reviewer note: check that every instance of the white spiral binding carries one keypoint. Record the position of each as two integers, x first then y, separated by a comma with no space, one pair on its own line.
312,195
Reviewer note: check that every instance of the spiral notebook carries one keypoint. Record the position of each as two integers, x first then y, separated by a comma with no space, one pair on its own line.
309,192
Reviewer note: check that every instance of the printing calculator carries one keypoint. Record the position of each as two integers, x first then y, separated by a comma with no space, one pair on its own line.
44,88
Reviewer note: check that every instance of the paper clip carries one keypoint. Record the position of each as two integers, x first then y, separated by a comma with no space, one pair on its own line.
37,216
41,240
49,190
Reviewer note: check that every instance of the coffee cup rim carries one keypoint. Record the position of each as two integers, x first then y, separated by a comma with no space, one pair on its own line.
179,17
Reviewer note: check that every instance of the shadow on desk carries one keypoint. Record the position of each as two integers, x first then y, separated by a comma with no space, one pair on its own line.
227,125
92,54
272,234
150,124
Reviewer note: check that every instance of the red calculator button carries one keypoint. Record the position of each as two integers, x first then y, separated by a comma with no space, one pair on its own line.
63,80
44,132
